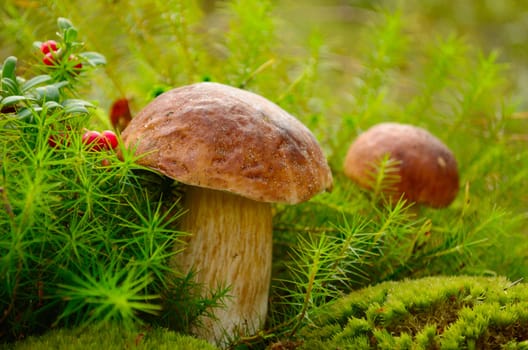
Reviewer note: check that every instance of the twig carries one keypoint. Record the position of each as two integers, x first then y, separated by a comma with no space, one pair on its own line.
519,115
7,205
13,294
514,283
518,137
257,71
305,229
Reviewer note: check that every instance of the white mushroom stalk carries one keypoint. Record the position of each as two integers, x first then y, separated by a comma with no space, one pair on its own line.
231,245
238,152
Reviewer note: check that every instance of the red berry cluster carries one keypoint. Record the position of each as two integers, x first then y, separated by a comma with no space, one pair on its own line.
98,141
52,54
93,140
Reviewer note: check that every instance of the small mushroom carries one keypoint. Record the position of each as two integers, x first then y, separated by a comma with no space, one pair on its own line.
237,152
427,170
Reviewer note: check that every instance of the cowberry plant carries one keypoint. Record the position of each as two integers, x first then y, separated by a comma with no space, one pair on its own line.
84,237
64,57
23,98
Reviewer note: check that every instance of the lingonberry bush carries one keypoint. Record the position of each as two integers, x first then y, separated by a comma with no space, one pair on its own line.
81,238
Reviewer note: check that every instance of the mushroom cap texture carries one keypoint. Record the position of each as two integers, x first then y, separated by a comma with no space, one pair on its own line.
216,136
427,169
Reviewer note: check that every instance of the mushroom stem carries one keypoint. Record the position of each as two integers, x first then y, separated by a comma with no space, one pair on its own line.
230,245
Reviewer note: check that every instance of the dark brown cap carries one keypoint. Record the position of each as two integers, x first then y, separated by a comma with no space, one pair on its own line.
216,136
427,170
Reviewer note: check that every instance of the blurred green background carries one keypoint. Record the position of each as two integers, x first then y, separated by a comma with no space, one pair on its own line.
111,26
491,25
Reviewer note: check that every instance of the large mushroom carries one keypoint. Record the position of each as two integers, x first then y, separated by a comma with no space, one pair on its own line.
237,152
427,170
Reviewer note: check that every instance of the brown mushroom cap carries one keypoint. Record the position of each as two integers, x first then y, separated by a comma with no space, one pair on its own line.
216,136
427,169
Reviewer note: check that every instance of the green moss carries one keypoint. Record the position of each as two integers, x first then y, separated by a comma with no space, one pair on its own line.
431,313
110,337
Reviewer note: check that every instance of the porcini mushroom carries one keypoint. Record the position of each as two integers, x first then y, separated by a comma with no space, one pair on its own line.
427,169
237,152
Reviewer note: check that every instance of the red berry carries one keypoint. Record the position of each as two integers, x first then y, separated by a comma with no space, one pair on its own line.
59,140
109,139
78,66
48,59
51,141
92,139
120,114
48,46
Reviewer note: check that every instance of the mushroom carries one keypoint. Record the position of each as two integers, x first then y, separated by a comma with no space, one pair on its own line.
237,153
427,170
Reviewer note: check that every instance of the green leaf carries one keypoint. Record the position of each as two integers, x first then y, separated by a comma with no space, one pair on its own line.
76,106
31,83
74,102
37,44
64,23
70,35
26,114
52,105
9,68
76,109
48,93
9,86
94,58
11,100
